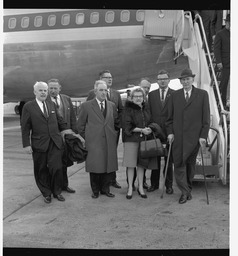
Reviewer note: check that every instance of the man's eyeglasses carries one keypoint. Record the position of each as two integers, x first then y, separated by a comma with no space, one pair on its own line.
138,96
160,79
107,77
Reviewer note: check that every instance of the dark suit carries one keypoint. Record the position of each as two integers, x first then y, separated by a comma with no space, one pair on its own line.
116,98
67,112
222,55
159,113
188,121
43,135
216,23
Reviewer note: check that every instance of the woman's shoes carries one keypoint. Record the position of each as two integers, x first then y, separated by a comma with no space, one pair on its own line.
142,195
128,196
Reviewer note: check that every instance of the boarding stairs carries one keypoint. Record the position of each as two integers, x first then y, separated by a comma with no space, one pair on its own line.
191,41
187,37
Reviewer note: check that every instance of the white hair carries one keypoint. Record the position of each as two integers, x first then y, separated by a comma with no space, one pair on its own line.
99,82
39,83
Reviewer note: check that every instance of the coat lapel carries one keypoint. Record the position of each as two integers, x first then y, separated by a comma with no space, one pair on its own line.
166,97
192,96
160,102
108,109
96,109
36,106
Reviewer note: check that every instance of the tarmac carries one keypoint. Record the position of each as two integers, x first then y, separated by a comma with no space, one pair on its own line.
81,222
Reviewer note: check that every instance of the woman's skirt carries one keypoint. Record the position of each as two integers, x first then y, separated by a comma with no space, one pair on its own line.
131,159
130,154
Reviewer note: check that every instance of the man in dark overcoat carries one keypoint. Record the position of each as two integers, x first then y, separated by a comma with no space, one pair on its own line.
114,96
41,125
158,103
66,110
187,126
98,124
222,55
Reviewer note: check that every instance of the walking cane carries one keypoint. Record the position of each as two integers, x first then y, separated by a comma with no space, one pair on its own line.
203,168
166,169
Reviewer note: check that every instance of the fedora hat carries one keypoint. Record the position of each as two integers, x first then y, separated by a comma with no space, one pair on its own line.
186,73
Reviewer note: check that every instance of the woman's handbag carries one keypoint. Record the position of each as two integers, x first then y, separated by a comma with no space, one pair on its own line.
151,148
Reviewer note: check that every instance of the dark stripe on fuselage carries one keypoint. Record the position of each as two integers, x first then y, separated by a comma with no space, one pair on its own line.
72,24
77,65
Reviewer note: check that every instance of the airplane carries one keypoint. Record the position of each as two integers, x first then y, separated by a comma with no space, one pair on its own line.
74,45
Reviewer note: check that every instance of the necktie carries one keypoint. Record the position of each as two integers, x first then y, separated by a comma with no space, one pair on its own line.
162,97
108,95
187,97
102,108
44,109
56,102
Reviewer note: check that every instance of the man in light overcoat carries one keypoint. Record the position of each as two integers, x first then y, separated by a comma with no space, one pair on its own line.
98,124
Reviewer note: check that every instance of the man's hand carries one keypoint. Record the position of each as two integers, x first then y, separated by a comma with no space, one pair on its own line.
202,142
147,130
28,150
219,65
80,137
170,138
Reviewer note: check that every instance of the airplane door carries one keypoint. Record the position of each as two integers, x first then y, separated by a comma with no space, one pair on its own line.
159,23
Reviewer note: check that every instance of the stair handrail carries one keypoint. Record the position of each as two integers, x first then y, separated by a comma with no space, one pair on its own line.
224,120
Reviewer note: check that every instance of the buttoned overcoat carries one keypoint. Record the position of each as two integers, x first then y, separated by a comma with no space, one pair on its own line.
100,136
188,121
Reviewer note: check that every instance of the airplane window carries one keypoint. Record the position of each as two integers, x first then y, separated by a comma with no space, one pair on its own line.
94,18
80,18
51,20
38,21
12,23
140,15
25,22
65,19
125,16
109,16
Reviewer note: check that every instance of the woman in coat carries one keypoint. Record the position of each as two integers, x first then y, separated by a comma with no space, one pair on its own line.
136,125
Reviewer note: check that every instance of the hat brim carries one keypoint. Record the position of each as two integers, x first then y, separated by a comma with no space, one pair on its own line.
186,76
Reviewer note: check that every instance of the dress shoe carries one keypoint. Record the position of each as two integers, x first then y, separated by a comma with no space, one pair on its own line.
59,197
142,195
47,199
128,196
183,199
95,195
69,190
115,184
169,191
189,197
107,194
145,185
152,188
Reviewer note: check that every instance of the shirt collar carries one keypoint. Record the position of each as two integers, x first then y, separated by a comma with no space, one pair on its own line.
39,102
99,102
165,89
58,97
189,92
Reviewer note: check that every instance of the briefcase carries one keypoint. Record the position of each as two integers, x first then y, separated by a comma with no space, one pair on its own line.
151,148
